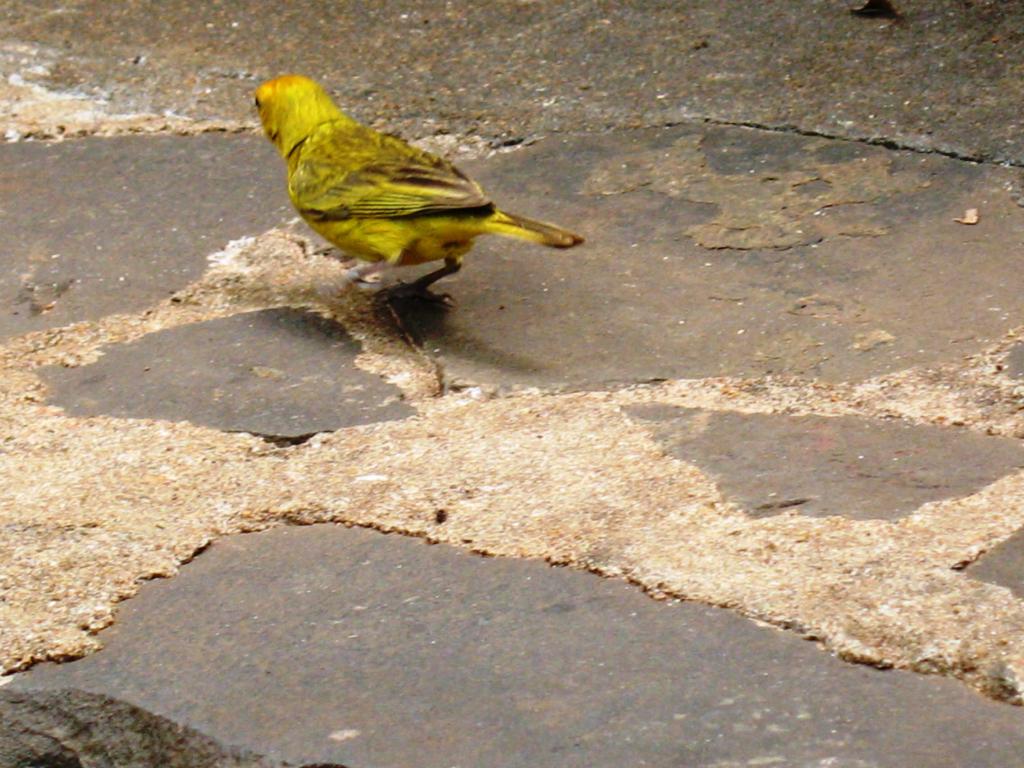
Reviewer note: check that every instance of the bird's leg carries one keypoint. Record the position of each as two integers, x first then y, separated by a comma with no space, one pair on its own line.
362,272
420,289
328,250
451,266
357,275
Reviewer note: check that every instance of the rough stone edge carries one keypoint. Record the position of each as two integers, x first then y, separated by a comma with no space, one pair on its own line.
66,725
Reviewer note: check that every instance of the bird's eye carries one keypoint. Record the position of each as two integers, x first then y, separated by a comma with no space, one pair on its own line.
257,102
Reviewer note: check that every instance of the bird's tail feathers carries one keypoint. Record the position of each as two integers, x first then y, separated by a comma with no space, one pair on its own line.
510,225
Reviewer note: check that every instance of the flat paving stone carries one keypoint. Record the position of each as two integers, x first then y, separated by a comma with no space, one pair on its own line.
822,466
946,75
1003,565
334,644
728,251
103,225
283,373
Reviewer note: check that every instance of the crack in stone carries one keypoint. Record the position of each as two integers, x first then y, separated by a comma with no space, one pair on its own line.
875,141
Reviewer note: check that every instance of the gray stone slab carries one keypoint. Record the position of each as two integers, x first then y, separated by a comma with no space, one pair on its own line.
97,226
728,252
946,75
283,373
1014,365
1003,565
327,643
72,729
830,466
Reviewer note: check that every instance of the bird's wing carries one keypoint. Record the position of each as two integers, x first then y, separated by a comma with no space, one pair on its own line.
398,181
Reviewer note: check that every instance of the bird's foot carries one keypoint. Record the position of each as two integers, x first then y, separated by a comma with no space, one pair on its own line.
420,289
419,292
368,281
329,251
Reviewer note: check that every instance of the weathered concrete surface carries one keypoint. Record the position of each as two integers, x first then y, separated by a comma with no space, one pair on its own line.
73,728
830,466
327,643
113,225
729,252
945,76
280,373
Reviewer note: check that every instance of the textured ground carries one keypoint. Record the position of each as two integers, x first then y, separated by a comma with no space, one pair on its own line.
782,377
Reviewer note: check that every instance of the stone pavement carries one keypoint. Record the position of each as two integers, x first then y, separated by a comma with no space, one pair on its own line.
780,379
323,648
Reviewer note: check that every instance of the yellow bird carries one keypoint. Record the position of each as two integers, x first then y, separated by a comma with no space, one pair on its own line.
376,197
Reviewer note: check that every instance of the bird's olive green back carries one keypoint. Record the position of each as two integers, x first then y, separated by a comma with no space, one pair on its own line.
345,170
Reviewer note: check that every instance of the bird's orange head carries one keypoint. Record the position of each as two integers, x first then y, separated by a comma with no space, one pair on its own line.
290,107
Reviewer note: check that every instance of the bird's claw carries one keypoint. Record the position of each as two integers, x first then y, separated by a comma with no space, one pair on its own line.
328,251
420,293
